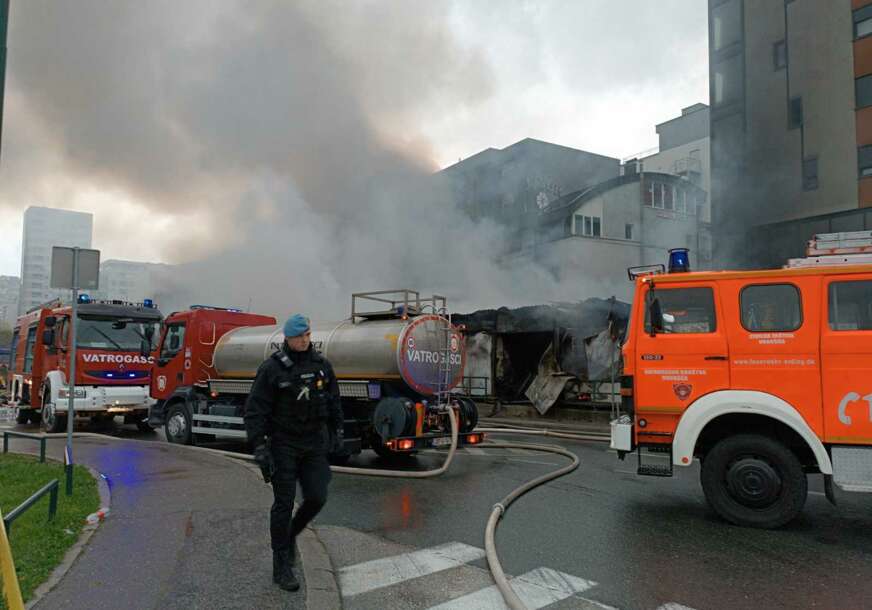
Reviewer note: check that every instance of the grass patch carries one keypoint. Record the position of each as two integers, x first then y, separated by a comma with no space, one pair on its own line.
38,545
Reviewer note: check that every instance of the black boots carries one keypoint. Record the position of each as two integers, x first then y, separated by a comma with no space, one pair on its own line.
283,574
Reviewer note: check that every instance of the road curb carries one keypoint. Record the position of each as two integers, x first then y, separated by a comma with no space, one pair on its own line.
74,551
322,590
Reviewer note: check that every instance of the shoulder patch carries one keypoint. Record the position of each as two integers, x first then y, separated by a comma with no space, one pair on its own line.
283,359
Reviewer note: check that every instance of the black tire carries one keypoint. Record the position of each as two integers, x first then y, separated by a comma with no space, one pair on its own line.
754,481
338,459
178,424
52,423
144,426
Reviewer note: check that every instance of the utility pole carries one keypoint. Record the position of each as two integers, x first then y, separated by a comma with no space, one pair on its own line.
4,23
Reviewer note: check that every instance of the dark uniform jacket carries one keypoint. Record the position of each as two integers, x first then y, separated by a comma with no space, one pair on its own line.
294,400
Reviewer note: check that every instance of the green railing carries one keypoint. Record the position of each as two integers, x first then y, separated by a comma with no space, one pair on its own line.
49,488
37,437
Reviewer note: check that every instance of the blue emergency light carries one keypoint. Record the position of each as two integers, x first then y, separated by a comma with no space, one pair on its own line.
84,298
679,260
147,303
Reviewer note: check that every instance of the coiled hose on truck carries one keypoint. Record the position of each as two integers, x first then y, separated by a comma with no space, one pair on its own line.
511,598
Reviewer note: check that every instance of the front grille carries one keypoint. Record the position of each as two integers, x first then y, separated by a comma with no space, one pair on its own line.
223,386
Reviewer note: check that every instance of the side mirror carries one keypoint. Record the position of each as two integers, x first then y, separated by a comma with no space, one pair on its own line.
145,348
48,337
174,343
50,322
655,315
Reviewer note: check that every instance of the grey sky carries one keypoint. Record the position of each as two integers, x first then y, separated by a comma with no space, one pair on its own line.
182,126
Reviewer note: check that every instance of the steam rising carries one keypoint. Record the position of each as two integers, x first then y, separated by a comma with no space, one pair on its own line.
282,138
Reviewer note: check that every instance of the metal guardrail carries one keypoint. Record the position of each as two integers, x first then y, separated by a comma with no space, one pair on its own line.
48,488
38,437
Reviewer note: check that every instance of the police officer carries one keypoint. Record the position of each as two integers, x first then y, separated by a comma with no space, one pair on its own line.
293,418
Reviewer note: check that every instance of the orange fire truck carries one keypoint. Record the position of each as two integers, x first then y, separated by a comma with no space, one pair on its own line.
764,376
113,363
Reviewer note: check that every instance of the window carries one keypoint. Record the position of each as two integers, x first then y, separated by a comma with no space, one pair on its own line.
726,24
28,349
589,226
779,55
668,196
794,113
173,341
14,349
810,174
680,200
654,195
863,22
64,331
863,90
728,81
850,305
628,231
771,308
685,310
864,158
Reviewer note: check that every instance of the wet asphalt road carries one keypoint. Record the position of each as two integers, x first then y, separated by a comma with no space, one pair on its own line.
645,541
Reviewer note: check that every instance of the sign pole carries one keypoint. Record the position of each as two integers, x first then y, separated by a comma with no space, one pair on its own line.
71,409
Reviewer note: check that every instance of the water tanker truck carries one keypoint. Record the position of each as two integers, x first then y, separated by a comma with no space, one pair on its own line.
396,363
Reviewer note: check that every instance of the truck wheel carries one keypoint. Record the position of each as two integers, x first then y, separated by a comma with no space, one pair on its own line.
51,421
754,481
178,424
143,426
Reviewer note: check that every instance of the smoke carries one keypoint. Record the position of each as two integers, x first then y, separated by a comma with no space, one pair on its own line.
282,140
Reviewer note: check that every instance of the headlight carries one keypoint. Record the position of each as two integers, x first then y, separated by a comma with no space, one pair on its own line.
65,393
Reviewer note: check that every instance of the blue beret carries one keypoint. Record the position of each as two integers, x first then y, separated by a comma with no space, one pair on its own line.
296,325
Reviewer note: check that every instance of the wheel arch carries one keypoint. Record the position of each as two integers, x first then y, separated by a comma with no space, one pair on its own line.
718,414
55,380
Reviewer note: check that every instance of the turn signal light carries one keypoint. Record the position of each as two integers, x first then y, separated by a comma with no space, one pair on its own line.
474,439
213,394
406,444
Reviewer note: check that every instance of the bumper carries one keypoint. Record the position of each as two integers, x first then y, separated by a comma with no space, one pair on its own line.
622,433
407,444
108,399
157,414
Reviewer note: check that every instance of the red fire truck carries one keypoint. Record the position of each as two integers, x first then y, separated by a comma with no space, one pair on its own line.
763,376
396,365
113,364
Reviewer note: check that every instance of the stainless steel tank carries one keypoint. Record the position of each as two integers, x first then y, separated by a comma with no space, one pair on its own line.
409,351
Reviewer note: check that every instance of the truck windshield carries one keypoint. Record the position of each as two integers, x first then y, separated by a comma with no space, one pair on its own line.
113,334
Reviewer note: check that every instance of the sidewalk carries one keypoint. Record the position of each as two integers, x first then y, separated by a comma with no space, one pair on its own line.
187,530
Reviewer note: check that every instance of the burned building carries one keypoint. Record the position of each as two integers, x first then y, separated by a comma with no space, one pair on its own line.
538,352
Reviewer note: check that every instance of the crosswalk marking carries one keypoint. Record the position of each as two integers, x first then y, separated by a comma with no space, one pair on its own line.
537,589
378,573
476,451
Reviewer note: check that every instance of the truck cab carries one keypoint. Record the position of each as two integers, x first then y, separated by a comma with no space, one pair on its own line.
184,362
113,362
763,376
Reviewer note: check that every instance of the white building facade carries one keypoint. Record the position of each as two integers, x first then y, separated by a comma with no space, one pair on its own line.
43,229
130,280
10,287
591,237
685,150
